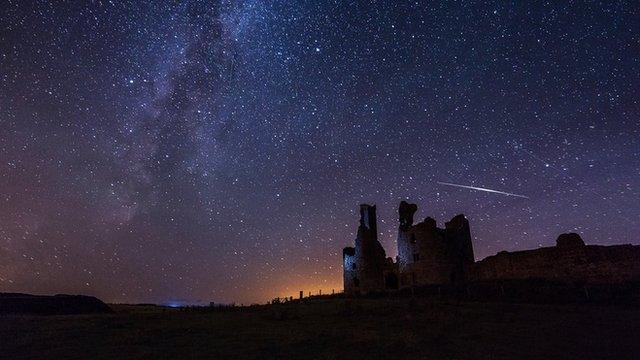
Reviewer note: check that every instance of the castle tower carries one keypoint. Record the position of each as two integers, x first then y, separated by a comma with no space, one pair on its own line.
368,219
429,255
364,264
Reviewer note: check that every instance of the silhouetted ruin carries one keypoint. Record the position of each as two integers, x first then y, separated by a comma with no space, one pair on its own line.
366,265
429,255
569,261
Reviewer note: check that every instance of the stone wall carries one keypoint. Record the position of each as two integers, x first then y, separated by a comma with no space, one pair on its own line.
569,261
364,271
350,275
431,255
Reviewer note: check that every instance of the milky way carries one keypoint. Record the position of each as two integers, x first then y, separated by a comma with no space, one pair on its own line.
204,151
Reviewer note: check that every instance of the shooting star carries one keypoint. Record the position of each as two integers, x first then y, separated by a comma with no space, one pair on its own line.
482,189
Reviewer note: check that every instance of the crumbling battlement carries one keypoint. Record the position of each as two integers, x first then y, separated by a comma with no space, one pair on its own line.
429,255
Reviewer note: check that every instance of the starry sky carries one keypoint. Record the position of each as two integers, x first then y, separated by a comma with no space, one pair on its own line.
196,151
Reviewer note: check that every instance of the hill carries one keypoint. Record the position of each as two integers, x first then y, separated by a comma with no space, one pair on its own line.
15,303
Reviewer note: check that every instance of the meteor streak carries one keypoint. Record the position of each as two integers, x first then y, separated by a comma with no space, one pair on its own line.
482,189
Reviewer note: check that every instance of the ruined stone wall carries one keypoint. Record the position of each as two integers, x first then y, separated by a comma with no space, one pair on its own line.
569,261
431,255
370,262
423,255
350,275
364,271
459,234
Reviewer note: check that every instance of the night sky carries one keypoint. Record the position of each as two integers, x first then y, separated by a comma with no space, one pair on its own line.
196,151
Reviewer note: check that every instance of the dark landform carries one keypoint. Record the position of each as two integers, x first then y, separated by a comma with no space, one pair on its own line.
14,303
383,327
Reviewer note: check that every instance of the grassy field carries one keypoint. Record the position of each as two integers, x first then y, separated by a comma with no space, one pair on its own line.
332,329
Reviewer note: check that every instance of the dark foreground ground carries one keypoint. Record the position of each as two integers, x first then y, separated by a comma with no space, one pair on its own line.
333,329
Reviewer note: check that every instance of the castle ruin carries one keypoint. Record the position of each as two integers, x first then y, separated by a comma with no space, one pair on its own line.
366,266
429,255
